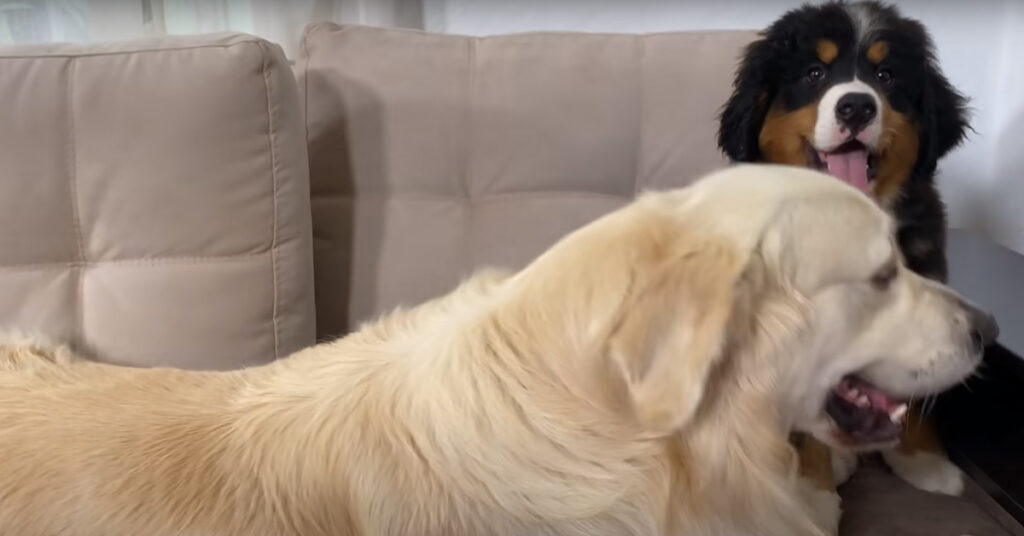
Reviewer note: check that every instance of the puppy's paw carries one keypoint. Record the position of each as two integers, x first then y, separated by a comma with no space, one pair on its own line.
20,352
844,463
926,471
823,506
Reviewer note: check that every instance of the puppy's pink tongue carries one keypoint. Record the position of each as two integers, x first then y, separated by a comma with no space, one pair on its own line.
850,166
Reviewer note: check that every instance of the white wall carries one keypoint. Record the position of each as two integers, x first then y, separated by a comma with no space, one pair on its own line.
280,21
980,46
1003,202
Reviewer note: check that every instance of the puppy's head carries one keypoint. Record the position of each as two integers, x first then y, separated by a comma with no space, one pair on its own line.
760,277
852,89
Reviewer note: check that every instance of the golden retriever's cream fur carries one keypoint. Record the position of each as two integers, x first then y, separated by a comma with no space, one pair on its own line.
641,377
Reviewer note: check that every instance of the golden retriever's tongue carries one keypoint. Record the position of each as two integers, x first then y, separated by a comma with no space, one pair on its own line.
850,166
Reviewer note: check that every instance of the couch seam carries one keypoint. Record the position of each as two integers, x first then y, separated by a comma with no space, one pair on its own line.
578,34
272,142
75,264
467,151
490,198
78,334
72,56
641,105
304,45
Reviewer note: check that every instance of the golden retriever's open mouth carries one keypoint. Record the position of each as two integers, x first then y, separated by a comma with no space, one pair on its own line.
852,162
864,413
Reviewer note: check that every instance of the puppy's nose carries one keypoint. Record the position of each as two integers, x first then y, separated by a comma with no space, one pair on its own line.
984,328
856,110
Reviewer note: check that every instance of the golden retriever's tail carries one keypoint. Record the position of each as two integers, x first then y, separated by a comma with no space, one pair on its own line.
22,352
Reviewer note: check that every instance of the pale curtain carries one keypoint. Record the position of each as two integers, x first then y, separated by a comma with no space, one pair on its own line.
280,21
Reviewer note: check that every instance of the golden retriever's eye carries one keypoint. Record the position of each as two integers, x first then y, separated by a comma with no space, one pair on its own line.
884,277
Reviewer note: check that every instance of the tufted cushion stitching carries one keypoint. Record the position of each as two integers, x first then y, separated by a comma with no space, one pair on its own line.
78,322
506,225
274,160
78,301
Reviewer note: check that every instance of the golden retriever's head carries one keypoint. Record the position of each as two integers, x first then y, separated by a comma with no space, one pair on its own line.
875,334
761,280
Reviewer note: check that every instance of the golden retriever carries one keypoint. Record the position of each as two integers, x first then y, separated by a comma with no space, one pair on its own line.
641,377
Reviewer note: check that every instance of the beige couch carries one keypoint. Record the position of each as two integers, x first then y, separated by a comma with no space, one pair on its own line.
180,201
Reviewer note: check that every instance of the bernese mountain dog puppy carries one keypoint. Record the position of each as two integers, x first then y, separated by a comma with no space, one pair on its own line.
854,89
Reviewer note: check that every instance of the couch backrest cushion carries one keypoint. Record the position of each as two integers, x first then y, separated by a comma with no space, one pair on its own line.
154,200
431,155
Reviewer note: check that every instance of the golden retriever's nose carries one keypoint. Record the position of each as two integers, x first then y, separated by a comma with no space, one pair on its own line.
984,328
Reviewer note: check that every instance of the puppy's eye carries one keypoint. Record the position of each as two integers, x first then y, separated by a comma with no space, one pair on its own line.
883,278
884,75
814,74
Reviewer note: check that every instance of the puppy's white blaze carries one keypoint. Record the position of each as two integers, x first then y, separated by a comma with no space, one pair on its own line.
827,133
863,20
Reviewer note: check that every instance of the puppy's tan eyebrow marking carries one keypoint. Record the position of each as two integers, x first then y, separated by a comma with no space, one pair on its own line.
878,51
827,50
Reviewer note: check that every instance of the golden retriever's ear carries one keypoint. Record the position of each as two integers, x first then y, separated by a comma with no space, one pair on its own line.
672,332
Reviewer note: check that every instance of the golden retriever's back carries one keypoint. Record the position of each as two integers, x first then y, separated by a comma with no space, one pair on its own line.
293,447
73,435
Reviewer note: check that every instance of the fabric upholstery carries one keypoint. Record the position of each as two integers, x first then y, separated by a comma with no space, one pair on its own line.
434,154
154,200
431,155
877,503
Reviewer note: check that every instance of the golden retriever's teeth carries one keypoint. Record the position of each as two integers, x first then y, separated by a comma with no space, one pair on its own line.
897,413
853,393
862,401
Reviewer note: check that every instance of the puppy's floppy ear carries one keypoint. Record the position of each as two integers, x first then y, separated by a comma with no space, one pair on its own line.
743,115
944,117
943,110
673,331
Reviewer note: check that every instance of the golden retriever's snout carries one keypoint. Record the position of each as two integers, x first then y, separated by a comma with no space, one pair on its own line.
982,325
